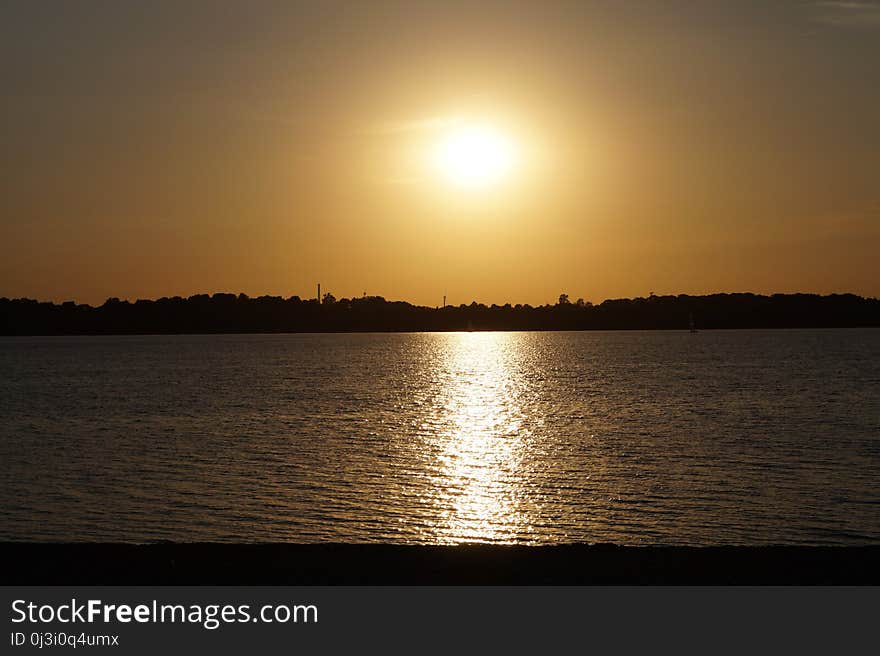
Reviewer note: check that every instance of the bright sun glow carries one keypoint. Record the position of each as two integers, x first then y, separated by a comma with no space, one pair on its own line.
474,156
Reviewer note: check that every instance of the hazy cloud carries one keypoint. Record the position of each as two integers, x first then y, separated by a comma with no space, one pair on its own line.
848,14
862,222
428,124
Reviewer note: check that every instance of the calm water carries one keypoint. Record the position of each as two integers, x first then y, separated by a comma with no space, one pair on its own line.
727,437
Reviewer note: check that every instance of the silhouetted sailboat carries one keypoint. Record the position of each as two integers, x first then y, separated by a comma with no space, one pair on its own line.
691,323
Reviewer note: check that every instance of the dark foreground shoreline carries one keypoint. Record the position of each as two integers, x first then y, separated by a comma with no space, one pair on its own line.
389,564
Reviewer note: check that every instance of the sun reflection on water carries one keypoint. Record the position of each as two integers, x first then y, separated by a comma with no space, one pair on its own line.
479,442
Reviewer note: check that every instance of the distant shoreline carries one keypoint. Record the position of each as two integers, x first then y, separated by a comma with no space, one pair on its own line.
240,314
395,564
257,333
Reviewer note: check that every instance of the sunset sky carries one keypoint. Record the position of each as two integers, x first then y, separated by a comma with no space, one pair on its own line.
172,148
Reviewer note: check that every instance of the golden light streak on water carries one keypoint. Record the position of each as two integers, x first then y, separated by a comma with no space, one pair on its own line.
482,443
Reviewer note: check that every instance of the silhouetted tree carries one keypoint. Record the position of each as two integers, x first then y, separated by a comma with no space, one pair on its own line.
238,313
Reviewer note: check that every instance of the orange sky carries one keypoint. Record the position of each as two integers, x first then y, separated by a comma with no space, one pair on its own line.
182,148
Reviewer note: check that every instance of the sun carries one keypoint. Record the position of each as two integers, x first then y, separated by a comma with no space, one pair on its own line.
474,155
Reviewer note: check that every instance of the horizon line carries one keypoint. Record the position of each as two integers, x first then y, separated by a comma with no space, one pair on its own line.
296,297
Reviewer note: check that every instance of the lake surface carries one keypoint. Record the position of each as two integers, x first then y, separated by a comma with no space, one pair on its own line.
722,437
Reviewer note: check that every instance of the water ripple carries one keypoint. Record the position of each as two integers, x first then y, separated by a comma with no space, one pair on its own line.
729,437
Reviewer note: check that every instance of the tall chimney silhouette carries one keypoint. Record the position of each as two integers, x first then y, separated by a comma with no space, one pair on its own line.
319,293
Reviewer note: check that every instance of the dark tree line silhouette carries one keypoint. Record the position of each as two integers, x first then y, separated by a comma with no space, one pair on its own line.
230,313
